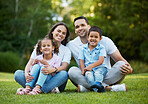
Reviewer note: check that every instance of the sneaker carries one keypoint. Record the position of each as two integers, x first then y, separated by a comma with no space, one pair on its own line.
55,90
119,87
19,89
99,86
82,88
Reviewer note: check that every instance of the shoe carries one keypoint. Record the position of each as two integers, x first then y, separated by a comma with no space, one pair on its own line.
82,89
24,91
35,91
55,90
99,86
119,87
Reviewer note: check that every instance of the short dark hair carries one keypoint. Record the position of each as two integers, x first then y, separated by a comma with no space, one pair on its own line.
97,29
50,35
81,17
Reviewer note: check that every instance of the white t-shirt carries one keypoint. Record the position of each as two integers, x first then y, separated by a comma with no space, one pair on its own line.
64,54
76,44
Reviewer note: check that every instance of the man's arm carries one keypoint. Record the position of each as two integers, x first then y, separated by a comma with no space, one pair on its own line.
125,69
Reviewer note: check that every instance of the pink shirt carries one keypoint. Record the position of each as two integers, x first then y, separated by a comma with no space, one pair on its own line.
55,61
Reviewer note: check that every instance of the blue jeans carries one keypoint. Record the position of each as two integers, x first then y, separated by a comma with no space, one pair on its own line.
96,75
59,80
40,77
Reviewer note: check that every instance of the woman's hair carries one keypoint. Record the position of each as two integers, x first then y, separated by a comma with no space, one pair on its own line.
65,41
56,49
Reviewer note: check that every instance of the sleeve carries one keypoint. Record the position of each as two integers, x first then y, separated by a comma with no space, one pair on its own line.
81,54
111,47
58,62
102,51
67,56
33,54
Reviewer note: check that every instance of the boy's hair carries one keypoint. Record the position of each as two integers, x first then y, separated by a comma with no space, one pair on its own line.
81,17
96,29
56,49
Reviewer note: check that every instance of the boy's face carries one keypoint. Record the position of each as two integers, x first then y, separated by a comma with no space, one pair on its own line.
81,27
93,38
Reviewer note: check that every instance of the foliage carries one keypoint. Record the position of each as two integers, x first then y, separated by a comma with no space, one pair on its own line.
9,62
136,84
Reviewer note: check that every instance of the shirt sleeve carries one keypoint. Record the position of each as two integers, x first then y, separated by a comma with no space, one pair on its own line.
111,47
102,51
67,56
33,54
81,54
58,62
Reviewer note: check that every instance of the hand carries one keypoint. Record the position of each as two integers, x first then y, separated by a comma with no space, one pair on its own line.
88,68
28,77
82,72
126,69
47,70
44,62
36,61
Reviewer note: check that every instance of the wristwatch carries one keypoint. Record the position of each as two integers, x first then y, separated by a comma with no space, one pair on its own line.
56,69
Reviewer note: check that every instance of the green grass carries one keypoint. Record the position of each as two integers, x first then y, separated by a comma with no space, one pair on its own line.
137,93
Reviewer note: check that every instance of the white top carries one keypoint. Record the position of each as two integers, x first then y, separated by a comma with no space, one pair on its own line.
55,61
76,44
64,54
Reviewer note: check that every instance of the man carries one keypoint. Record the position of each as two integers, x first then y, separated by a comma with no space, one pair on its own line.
115,74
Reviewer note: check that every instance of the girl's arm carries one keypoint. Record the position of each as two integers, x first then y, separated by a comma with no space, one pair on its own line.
27,70
95,64
82,66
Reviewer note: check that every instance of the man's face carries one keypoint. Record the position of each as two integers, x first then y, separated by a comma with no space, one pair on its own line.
81,27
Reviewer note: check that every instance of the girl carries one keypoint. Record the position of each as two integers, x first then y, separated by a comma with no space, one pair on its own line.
45,56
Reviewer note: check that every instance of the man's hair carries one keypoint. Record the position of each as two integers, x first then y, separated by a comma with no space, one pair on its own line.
81,17
96,29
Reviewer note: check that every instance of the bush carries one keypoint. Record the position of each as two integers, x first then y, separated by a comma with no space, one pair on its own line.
9,62
139,67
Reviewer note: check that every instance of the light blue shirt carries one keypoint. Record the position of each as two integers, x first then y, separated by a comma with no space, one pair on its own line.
90,57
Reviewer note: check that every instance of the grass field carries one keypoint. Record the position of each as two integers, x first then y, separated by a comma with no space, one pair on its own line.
137,93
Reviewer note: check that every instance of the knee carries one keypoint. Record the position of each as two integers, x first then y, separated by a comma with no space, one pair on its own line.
71,71
120,63
87,73
17,74
36,66
63,73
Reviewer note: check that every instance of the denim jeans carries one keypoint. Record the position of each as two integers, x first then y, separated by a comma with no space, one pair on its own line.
38,75
59,80
96,75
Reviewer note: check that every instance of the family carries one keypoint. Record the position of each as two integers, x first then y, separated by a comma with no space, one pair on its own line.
46,72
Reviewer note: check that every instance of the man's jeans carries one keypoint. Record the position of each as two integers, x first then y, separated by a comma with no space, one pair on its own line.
59,80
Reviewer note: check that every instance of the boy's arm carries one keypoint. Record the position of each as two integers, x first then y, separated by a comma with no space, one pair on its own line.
95,64
82,66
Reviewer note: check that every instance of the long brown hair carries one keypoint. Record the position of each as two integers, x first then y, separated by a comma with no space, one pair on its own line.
56,49
65,41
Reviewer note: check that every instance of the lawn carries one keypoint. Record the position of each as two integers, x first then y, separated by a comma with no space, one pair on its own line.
137,93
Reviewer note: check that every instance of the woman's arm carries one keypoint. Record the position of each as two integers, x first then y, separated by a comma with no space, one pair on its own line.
27,70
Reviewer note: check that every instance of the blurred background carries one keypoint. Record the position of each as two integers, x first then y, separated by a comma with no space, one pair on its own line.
24,22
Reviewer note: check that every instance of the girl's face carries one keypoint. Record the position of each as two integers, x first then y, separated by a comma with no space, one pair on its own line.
93,38
46,46
59,33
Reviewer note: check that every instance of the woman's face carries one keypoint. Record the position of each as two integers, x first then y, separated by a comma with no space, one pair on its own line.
59,33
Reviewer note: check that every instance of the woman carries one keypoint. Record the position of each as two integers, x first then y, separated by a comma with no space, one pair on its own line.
59,33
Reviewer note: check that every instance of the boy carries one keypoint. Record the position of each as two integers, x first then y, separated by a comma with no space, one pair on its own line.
92,60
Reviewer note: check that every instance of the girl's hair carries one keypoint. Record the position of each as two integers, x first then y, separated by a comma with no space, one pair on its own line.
50,35
56,49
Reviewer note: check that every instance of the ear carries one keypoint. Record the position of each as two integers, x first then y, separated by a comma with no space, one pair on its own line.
41,49
53,48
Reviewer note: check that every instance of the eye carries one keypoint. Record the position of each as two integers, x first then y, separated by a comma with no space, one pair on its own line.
96,36
63,33
58,30
44,45
83,25
77,27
